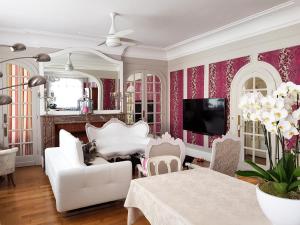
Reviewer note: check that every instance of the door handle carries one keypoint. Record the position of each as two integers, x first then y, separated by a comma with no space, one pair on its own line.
5,125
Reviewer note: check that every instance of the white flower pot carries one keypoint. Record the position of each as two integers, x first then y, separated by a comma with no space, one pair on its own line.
280,211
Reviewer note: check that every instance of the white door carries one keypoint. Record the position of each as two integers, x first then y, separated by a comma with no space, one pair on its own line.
251,133
19,119
144,100
254,77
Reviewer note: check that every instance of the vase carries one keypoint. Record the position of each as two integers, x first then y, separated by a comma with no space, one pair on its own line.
280,211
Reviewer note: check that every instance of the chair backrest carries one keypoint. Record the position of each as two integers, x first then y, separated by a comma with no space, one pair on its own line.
225,154
154,163
166,146
8,161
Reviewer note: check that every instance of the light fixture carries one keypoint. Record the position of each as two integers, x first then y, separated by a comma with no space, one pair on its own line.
69,66
18,47
42,57
5,100
32,82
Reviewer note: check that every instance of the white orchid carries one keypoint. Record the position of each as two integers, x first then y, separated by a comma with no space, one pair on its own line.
280,114
268,102
292,120
290,133
267,117
279,103
256,116
296,114
282,91
244,102
271,127
284,126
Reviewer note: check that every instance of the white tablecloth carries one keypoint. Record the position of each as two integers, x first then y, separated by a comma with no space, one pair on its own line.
199,196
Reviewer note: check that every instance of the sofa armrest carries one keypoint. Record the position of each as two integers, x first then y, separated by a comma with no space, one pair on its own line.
74,179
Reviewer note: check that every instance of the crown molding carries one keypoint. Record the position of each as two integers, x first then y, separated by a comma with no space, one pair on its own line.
280,16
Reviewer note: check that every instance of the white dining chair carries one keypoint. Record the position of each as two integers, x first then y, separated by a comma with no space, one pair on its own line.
164,146
8,163
225,154
166,159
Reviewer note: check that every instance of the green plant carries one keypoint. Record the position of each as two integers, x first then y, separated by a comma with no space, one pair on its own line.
281,180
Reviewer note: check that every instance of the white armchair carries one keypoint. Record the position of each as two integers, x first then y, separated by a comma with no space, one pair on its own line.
8,163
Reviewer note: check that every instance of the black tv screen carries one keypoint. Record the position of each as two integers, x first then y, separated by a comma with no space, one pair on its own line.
204,116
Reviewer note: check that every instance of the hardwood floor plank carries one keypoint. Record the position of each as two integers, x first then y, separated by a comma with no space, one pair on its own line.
32,202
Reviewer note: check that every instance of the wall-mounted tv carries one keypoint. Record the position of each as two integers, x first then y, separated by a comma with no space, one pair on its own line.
205,116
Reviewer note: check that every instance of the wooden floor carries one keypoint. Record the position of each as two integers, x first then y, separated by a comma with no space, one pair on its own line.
32,202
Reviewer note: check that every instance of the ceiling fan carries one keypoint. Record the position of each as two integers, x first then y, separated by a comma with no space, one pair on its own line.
114,37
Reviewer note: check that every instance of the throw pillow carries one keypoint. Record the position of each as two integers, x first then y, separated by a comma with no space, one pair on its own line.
89,152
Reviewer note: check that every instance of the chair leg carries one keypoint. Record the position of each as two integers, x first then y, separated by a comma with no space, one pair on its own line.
2,178
10,179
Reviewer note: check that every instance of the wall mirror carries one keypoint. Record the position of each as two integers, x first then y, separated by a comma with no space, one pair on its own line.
78,78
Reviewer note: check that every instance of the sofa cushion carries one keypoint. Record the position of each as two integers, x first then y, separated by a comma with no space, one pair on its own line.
71,148
99,161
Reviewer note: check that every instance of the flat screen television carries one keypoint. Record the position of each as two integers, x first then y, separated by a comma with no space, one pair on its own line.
205,116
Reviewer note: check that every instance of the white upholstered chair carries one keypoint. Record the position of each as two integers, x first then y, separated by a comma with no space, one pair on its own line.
164,146
225,154
8,163
166,160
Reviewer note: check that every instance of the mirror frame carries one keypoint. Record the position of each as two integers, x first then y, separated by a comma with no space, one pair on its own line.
88,50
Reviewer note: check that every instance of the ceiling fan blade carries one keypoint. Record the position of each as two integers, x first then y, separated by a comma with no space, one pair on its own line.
123,33
102,43
128,40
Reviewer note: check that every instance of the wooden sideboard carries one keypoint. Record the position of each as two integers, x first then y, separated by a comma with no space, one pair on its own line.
75,124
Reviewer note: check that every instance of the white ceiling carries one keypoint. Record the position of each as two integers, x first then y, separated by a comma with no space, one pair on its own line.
157,23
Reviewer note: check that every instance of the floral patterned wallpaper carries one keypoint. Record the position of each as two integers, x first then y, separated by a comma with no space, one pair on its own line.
195,89
176,104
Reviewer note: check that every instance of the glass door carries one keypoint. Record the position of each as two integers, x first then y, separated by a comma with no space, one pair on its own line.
17,118
143,94
252,137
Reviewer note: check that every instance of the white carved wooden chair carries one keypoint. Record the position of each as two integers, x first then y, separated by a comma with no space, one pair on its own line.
225,154
164,146
8,163
156,161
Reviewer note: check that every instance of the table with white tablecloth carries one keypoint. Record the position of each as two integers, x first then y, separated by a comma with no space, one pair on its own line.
194,197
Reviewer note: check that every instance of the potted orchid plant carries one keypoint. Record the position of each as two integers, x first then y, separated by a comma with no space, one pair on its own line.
278,192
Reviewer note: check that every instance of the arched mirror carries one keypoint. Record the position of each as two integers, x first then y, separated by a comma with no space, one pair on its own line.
78,75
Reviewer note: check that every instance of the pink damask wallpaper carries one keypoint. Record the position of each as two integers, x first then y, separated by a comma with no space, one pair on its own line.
109,86
286,61
221,75
195,89
176,96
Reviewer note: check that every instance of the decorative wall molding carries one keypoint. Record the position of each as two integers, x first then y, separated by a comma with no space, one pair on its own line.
283,15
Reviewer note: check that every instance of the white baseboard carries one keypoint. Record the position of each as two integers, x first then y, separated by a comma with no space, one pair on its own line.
198,152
